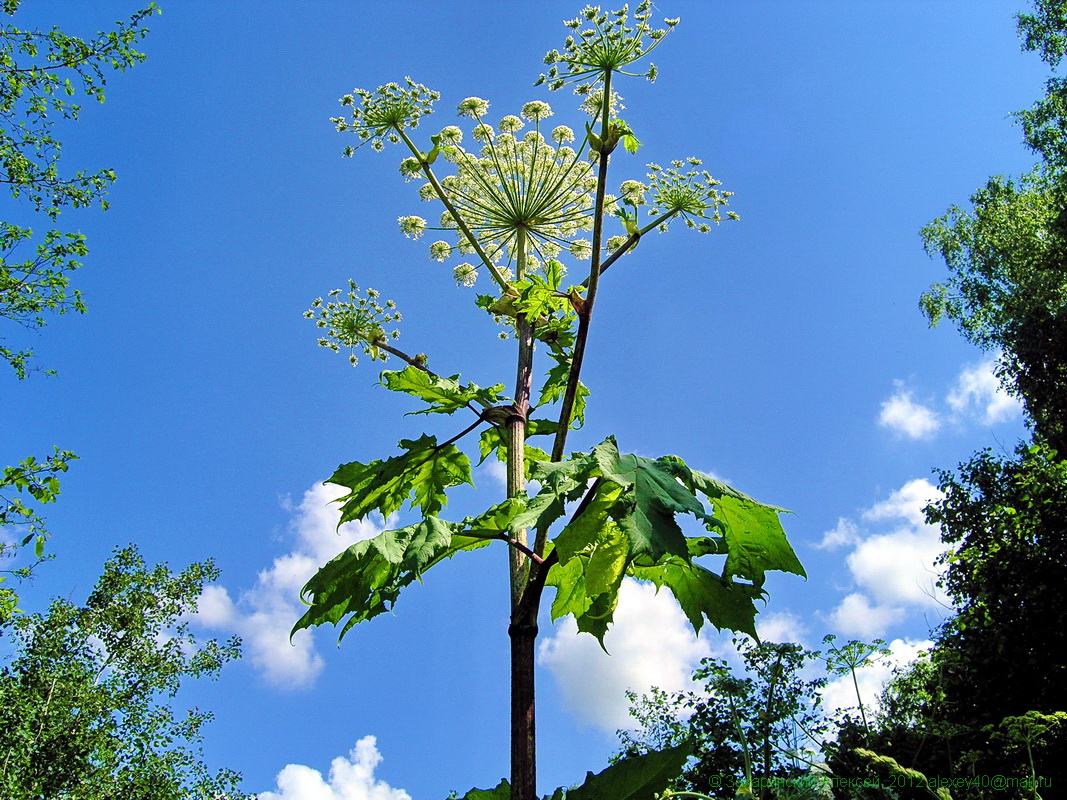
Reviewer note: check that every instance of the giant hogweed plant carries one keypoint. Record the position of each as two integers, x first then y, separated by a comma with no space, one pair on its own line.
517,205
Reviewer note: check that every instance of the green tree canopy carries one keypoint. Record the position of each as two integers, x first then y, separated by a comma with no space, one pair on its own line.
84,711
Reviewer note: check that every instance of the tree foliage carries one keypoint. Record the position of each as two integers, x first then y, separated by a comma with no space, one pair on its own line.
43,71
41,75
84,696
756,729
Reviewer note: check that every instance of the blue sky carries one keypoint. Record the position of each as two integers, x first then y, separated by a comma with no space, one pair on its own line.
785,353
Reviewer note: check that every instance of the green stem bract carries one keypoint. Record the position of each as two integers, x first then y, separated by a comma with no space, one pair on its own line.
452,210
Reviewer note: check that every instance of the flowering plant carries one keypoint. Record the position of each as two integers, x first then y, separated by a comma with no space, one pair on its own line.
517,204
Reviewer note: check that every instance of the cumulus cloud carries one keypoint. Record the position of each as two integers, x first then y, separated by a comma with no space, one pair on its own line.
840,693
979,392
263,615
780,626
843,534
350,778
497,471
857,617
893,566
651,644
901,414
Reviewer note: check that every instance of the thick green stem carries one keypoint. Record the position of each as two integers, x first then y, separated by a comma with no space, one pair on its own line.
859,699
776,671
560,444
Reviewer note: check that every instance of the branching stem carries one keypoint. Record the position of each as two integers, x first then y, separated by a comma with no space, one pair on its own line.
560,444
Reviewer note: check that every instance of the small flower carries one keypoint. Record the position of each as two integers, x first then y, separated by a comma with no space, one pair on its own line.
536,110
465,274
412,227
561,134
410,168
473,107
690,195
581,249
615,242
451,135
633,192
439,251
483,133
594,98
510,124
601,43
356,322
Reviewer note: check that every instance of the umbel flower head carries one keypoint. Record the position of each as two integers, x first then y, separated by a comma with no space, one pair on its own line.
692,195
603,42
379,116
516,186
355,321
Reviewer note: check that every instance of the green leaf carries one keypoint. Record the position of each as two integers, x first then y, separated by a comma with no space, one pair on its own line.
365,580
627,525
587,586
655,497
502,791
444,395
555,388
752,531
585,529
704,595
424,472
497,519
637,778
755,540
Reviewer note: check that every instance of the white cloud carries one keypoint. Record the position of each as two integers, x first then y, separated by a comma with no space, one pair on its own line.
840,693
350,778
895,569
497,471
855,616
980,389
780,626
844,533
903,415
905,503
651,644
263,615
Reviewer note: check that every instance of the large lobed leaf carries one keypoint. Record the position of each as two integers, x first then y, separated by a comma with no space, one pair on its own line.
365,580
423,473
443,395
638,778
627,524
